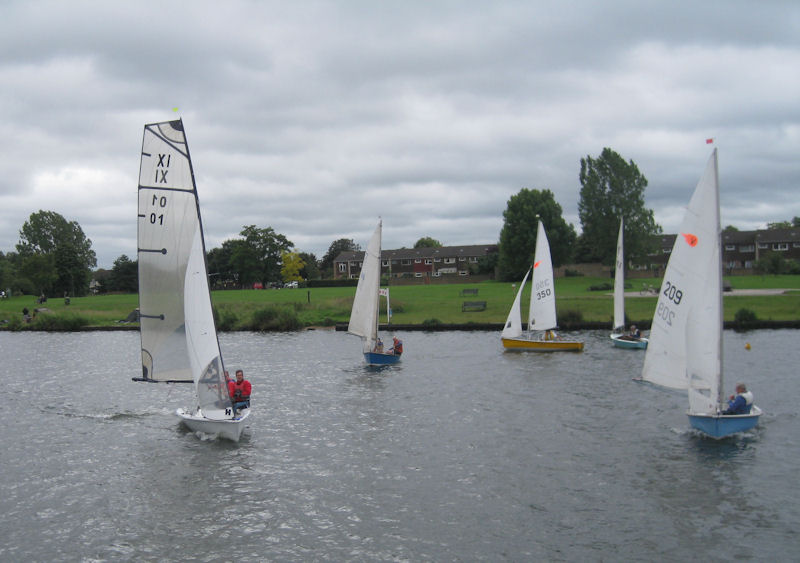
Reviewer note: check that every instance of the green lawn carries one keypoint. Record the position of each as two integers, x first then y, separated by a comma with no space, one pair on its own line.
414,304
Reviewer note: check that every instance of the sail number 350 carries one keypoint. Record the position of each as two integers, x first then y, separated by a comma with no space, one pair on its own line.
158,218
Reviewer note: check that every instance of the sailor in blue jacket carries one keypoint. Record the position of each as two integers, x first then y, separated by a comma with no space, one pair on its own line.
741,402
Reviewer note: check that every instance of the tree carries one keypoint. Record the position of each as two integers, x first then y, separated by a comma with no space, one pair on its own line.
518,235
613,189
730,229
40,270
334,250
265,247
310,269
779,225
47,233
292,264
124,276
427,242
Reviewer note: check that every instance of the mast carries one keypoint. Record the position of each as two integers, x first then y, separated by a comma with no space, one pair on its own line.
720,391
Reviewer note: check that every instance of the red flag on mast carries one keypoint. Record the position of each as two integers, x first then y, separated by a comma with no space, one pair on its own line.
709,141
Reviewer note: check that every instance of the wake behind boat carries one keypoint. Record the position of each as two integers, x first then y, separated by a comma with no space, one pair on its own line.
364,316
620,339
685,350
178,335
541,335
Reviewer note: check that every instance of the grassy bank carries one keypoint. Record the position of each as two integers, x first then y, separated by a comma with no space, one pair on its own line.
289,309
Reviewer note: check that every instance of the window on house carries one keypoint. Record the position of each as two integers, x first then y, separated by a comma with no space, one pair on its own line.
449,260
418,261
406,262
385,263
730,247
462,273
418,274
428,261
780,246
461,258
763,245
747,248
342,267
473,259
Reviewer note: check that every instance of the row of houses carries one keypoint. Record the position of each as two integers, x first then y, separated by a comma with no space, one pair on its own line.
457,261
740,251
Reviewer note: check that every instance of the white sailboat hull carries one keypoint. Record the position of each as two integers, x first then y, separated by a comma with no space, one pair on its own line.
229,428
628,343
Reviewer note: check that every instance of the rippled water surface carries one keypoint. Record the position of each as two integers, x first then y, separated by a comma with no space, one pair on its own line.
462,452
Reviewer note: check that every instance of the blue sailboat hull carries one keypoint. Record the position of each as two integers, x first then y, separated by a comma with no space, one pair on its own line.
720,426
376,359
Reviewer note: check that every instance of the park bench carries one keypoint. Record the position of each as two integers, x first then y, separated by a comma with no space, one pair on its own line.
469,292
473,306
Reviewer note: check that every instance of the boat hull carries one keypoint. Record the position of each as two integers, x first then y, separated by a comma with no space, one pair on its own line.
229,429
620,342
720,426
531,345
378,359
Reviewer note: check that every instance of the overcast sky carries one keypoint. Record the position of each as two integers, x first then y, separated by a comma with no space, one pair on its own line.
315,118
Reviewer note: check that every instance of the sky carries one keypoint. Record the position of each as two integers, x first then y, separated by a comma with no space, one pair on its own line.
315,118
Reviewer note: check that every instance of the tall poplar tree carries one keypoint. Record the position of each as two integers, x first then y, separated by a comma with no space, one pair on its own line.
613,189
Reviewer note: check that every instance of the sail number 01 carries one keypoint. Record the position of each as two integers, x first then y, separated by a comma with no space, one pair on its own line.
160,202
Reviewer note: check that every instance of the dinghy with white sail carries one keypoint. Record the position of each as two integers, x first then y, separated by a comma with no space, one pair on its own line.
685,349
619,337
541,335
366,306
178,335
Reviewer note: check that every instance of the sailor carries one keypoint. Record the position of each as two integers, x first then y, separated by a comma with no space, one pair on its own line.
397,346
378,346
741,402
239,390
635,332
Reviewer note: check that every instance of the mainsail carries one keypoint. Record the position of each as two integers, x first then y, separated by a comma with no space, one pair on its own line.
685,346
179,339
364,316
619,285
542,314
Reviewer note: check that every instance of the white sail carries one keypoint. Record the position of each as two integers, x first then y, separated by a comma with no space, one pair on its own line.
513,326
685,336
179,340
542,312
364,316
619,285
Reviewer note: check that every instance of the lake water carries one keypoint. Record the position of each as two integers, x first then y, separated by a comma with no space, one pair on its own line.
462,452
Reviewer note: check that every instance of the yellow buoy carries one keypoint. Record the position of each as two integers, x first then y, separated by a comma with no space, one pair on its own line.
747,346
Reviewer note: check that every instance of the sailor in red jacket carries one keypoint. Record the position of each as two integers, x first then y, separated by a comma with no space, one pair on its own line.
239,391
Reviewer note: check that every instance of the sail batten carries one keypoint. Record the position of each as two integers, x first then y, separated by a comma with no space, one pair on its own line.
619,283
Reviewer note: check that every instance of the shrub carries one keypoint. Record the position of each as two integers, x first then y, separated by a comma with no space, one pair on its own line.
225,320
745,316
274,318
569,317
572,273
59,323
431,322
605,286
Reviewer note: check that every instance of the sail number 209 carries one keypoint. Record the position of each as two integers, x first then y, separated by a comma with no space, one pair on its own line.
673,295
158,218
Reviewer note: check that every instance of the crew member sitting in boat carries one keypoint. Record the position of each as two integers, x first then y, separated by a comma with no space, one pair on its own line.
378,346
239,390
635,332
397,346
741,402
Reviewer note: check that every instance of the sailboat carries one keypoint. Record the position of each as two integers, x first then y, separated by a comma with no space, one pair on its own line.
364,316
178,335
685,350
541,335
619,337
